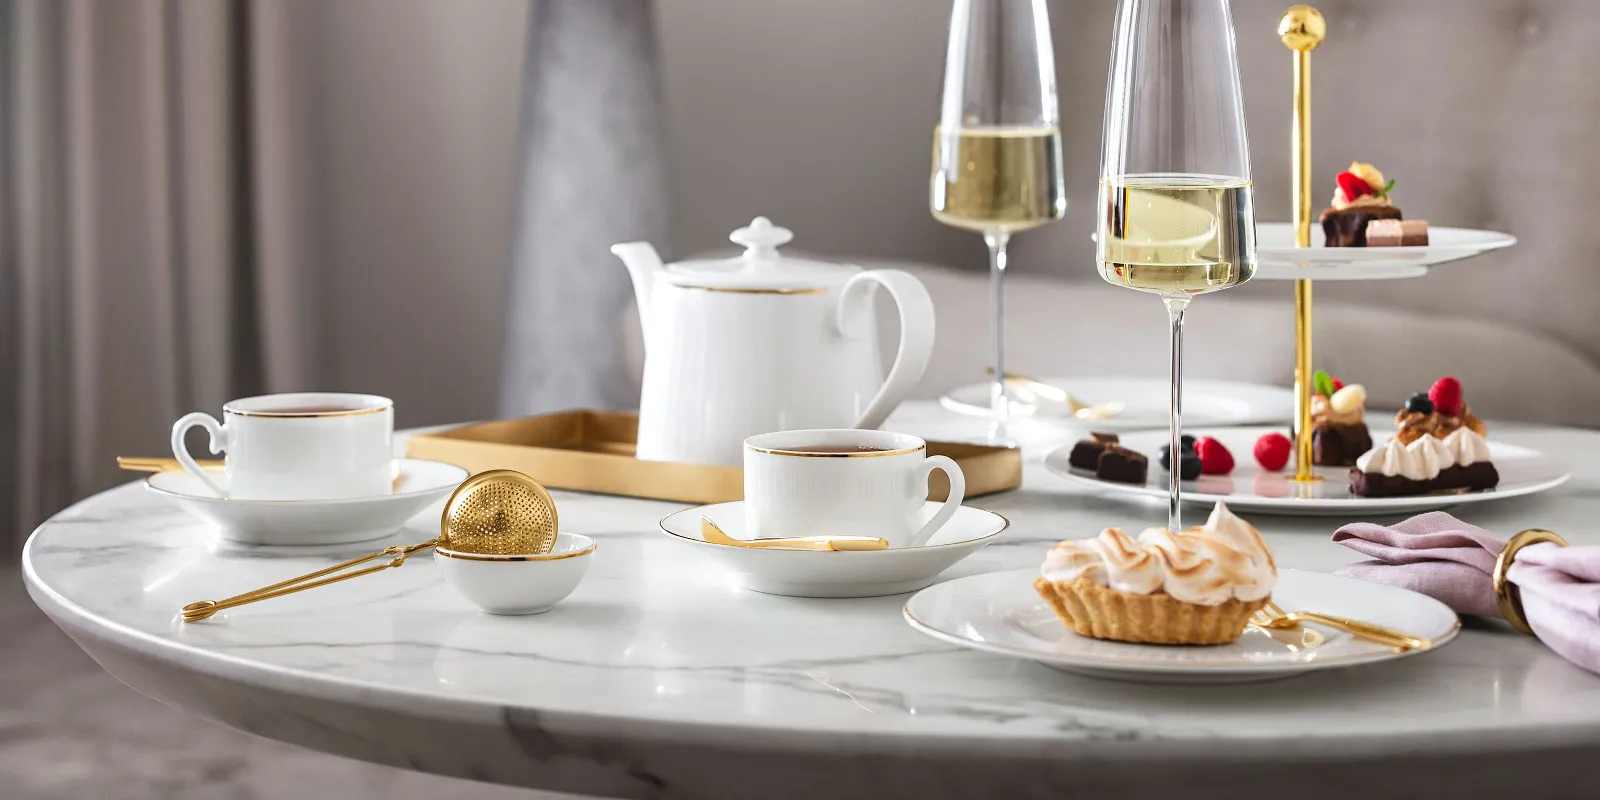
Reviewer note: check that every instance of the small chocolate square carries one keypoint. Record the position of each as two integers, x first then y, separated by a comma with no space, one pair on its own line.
1122,465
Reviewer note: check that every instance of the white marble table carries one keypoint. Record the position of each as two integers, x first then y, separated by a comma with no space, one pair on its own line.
659,678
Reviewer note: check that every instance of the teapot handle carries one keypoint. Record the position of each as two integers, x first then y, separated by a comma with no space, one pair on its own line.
916,334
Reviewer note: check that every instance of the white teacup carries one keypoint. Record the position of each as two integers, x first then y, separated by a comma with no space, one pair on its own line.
299,446
844,482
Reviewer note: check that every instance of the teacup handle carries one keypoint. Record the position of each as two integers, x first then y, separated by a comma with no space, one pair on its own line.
958,492
219,443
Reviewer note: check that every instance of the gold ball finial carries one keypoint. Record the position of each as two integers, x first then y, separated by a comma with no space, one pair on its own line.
1302,28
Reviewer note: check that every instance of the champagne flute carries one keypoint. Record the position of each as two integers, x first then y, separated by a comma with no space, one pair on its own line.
1176,218
997,148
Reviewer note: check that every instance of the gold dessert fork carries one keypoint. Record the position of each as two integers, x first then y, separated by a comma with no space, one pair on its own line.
1273,617
713,534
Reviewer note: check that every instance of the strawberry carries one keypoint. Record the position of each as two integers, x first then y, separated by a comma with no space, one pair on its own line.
1446,396
1353,186
1214,458
1273,450
1337,385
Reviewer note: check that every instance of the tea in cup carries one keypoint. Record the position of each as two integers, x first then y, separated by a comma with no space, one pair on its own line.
298,446
844,482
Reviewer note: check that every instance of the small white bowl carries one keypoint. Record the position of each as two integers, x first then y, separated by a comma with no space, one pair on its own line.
515,585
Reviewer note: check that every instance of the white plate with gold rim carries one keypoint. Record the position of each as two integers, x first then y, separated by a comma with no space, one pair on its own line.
1252,488
1278,259
1145,402
313,522
999,612
807,573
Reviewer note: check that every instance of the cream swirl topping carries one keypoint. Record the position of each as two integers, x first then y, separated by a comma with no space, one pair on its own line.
1421,460
1225,558
1466,446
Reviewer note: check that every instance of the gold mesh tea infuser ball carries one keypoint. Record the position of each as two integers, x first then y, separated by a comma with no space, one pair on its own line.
501,512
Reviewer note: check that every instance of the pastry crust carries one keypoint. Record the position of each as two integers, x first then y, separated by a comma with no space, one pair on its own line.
1101,612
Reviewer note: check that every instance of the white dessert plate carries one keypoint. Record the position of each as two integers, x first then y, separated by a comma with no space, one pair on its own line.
999,612
1278,259
1251,488
809,573
312,522
1204,402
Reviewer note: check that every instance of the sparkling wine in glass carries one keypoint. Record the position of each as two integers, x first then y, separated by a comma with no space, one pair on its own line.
1176,218
997,147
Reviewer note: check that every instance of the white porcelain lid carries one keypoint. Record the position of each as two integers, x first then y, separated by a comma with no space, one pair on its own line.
760,268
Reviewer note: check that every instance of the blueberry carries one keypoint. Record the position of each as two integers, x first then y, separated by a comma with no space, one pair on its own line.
1188,466
1188,442
1419,403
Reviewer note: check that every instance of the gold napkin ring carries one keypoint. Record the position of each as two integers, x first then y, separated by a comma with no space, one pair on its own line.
1506,593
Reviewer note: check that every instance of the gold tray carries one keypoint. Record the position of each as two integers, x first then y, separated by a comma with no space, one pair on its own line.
592,451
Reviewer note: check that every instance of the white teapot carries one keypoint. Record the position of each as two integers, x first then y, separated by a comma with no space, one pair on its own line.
760,343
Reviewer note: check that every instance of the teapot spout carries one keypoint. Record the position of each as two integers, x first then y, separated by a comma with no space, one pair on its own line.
643,263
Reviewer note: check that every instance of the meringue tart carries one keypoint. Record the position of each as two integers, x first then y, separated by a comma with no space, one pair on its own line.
1198,586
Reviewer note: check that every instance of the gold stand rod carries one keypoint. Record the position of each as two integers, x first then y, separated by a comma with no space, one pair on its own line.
1302,28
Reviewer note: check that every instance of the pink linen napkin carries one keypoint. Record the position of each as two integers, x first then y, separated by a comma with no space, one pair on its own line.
1451,561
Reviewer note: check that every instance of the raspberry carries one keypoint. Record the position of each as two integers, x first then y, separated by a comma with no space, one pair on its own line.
1273,450
1214,458
1446,396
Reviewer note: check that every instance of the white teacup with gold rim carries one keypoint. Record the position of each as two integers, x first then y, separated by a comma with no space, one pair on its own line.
844,482
297,446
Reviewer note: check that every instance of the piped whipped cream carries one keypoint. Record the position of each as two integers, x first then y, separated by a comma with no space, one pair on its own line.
1467,446
1425,457
1375,186
1225,558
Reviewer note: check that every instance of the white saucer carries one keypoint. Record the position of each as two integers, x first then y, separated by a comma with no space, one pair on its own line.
1251,488
805,573
1278,259
303,522
1204,402
999,612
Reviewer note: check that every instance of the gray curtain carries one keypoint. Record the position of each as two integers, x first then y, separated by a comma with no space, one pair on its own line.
136,192
592,174
201,199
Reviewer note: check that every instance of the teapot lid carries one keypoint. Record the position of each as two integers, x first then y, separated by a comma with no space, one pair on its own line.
760,268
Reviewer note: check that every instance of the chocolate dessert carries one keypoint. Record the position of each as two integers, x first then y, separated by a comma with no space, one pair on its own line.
1459,462
1339,432
1086,454
1362,197
1122,465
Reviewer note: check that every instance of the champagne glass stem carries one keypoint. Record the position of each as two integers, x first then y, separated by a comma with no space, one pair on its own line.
999,405
1176,306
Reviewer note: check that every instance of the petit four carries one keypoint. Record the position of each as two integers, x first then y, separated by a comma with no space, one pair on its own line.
1362,199
1086,454
1457,463
1199,586
1338,422
1109,460
1397,233
1118,463
1439,447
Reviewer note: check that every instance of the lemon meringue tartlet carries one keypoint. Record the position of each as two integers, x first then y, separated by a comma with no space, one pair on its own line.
1199,586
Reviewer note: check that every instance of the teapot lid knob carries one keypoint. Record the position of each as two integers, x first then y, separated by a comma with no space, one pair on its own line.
761,239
